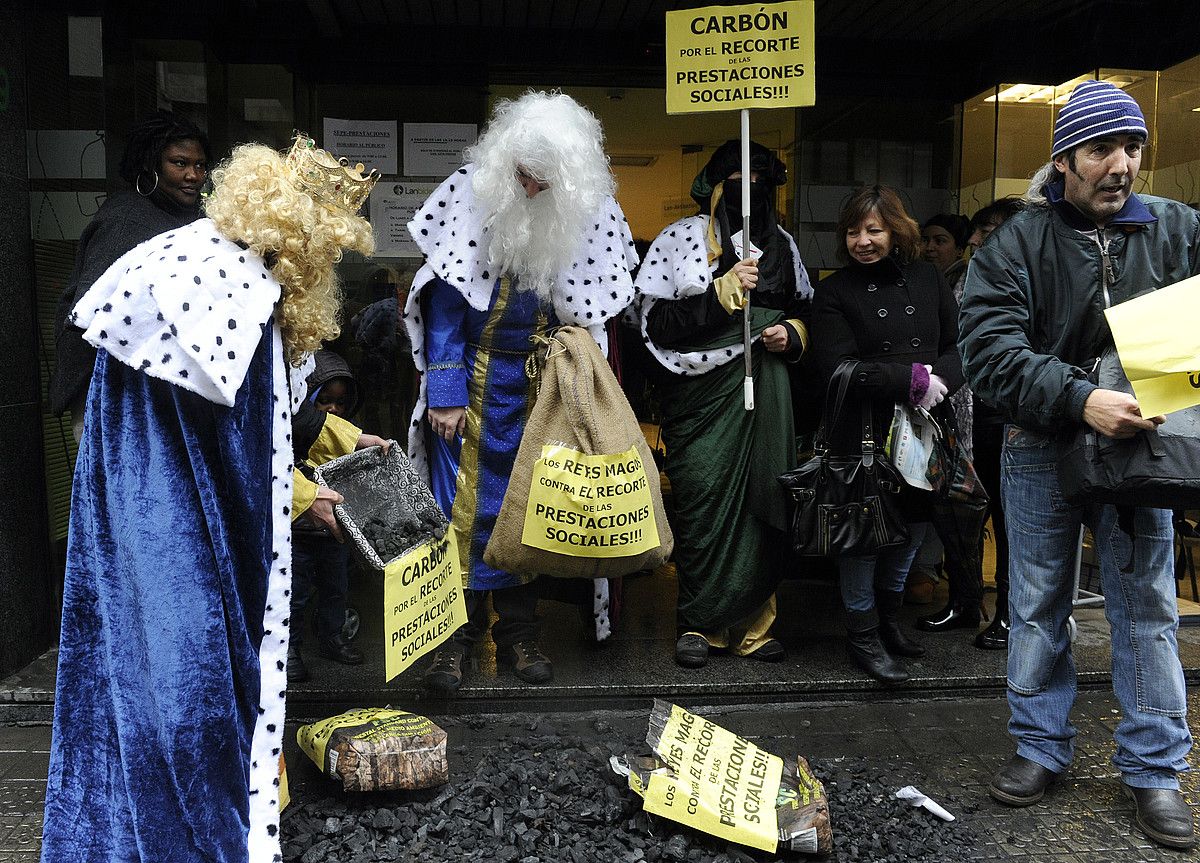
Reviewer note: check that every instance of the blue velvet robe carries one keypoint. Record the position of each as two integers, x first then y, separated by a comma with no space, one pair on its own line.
169,702
477,358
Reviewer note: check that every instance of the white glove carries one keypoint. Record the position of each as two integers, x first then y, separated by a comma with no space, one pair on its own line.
934,394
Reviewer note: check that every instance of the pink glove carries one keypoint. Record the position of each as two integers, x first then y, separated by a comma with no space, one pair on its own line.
934,394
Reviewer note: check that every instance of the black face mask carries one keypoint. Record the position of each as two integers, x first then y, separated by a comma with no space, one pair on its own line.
760,205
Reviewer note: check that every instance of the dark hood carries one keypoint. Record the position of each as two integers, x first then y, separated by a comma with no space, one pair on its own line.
728,160
330,365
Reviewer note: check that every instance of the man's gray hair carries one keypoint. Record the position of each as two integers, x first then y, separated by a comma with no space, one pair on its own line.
1035,196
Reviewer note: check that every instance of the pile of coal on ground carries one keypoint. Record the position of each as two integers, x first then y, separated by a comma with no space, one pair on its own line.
543,797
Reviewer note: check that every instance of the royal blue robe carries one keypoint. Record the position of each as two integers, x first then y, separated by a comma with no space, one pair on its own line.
169,703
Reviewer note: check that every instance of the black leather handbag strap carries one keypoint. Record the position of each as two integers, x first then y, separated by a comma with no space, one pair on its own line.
839,385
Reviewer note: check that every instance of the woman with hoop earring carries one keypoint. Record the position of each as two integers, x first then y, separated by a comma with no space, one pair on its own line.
165,163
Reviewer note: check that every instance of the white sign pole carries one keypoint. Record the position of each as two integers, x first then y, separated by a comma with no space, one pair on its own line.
748,383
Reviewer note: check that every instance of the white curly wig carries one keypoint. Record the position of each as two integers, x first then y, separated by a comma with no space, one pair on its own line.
561,143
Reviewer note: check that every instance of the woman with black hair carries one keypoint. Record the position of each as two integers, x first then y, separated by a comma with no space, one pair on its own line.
165,163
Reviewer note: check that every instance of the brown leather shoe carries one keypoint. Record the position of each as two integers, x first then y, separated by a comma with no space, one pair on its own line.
526,661
444,674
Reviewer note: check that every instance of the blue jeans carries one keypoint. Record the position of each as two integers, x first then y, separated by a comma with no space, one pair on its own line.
1043,533
860,577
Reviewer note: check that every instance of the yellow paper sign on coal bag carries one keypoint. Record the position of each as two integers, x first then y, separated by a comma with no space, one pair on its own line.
723,784
422,602
590,505
724,58
1158,342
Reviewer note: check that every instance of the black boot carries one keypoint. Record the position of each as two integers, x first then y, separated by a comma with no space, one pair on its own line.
995,637
867,651
888,605
296,672
953,616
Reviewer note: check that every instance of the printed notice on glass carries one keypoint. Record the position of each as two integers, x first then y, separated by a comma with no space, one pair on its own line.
372,142
392,207
436,149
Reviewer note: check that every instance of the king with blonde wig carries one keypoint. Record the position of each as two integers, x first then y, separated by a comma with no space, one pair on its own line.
257,201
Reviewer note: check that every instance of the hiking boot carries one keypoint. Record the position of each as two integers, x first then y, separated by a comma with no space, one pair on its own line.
691,650
444,674
526,661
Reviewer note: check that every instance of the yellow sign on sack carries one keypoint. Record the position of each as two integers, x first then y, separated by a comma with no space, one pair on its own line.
723,784
1159,345
590,505
724,58
369,723
422,602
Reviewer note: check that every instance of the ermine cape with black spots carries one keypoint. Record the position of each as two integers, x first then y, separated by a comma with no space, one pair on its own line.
169,709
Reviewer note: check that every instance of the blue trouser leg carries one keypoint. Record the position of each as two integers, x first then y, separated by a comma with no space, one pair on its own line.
860,576
1152,738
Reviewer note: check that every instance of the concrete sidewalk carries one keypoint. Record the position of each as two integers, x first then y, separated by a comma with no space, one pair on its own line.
947,748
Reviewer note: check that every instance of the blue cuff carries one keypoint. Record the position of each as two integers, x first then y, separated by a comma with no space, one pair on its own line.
446,385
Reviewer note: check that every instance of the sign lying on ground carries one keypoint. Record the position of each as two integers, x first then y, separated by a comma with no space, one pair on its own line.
722,58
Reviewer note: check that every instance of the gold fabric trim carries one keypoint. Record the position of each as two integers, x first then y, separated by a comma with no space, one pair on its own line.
751,633
462,514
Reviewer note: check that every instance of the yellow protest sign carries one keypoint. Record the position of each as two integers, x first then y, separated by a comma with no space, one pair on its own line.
1159,345
723,58
590,505
423,602
723,784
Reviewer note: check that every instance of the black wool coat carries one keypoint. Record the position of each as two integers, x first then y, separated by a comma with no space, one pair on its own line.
888,316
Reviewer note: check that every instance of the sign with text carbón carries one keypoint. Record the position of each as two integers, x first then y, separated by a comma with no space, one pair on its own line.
723,58
423,602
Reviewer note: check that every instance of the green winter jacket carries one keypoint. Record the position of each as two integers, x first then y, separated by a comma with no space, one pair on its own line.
1032,316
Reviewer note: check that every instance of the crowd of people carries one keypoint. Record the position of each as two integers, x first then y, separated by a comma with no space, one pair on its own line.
204,409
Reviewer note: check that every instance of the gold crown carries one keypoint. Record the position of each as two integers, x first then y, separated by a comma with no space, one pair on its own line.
332,180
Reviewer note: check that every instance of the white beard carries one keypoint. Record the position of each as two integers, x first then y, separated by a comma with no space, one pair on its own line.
536,239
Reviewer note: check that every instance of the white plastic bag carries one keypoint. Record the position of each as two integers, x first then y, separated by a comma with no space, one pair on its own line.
910,444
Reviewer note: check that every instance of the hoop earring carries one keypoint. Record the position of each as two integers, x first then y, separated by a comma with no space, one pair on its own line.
137,185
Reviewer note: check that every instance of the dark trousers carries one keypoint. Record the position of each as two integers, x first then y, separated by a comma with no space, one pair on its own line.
319,565
516,616
989,440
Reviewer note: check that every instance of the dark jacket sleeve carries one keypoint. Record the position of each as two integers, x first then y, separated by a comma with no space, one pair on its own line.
686,322
307,423
1036,390
832,340
948,365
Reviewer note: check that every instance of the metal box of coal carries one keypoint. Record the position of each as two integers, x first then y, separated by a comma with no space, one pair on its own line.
388,509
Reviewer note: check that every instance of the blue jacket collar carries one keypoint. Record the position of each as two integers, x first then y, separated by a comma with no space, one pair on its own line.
1133,214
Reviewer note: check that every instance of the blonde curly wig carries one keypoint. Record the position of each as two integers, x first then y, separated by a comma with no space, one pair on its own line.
256,202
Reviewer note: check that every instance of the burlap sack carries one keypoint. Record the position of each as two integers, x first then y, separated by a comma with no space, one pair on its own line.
579,405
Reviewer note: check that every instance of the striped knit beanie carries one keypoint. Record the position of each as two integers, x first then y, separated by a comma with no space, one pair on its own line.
1096,109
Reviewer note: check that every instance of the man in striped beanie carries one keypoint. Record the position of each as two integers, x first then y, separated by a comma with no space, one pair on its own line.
1031,328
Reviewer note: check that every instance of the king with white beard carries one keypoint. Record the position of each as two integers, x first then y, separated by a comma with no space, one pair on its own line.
525,236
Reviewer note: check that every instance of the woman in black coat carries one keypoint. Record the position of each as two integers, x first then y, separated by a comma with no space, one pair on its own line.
165,163
895,314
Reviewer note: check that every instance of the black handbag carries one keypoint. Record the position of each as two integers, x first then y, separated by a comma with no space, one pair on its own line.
845,504
1159,468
